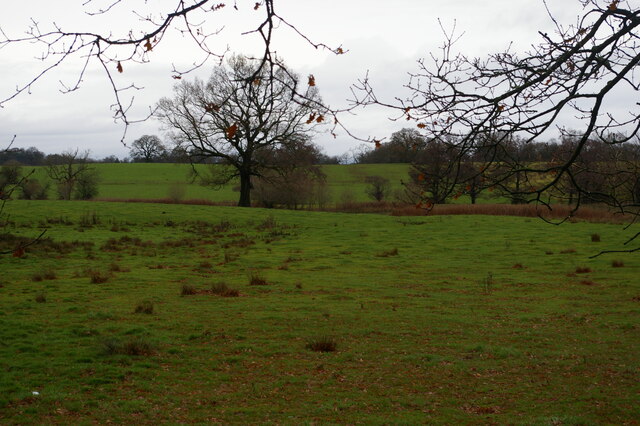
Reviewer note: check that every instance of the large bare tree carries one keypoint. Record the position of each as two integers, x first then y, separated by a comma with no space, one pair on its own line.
227,119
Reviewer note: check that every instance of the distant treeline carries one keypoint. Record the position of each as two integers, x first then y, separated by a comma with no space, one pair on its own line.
409,146
34,157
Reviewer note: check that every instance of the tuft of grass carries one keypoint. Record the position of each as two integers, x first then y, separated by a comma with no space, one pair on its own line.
568,251
583,270
45,275
517,266
229,256
222,289
617,263
487,283
322,344
205,265
595,238
388,253
97,277
41,298
255,278
115,267
144,307
134,346
188,290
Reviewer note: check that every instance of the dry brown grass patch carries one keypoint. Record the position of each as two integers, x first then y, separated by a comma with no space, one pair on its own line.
323,344
388,253
617,264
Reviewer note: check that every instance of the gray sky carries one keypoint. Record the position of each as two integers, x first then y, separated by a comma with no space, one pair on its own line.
384,38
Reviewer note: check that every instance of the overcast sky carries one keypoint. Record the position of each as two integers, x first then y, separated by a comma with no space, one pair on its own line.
385,38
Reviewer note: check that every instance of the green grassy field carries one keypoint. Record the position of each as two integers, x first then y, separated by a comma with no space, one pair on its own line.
155,181
444,319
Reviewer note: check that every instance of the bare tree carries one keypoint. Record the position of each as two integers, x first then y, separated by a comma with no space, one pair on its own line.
377,187
72,174
237,123
147,148
486,103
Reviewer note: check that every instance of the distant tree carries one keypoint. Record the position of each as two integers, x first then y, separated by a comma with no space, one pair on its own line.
110,159
30,156
10,175
69,169
403,147
378,187
86,186
147,149
228,119
435,174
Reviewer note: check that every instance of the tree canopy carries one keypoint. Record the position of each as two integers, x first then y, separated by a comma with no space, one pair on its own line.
239,115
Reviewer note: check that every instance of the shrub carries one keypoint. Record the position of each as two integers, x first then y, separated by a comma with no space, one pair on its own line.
322,344
144,307
595,238
221,289
188,290
176,192
86,185
32,189
378,187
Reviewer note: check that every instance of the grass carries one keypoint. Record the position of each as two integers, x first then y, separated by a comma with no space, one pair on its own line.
449,331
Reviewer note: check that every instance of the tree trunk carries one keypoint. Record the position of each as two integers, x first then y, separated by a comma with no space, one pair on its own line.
245,189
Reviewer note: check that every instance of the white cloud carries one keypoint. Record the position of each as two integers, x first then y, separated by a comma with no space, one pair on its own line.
383,37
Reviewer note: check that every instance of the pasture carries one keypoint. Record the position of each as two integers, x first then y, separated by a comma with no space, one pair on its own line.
148,313
158,180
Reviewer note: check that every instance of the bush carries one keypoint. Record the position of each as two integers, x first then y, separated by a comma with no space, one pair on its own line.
32,189
378,187
176,192
86,186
